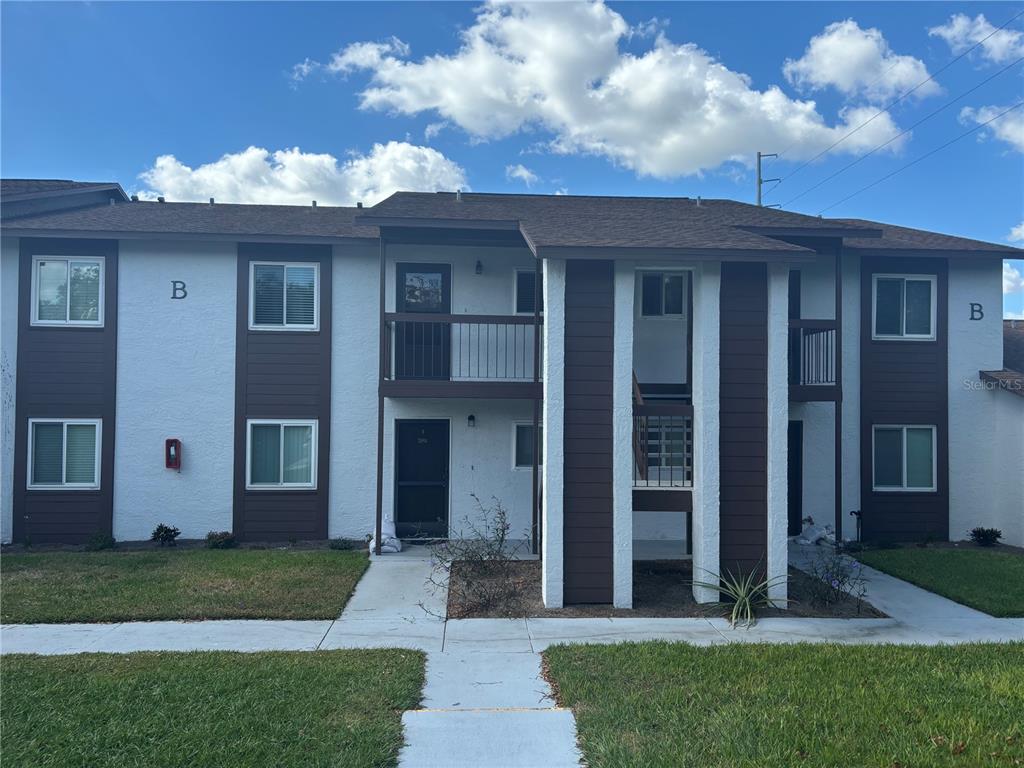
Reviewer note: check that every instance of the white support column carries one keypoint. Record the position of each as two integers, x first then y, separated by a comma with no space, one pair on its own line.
552,569
778,425
707,281
622,437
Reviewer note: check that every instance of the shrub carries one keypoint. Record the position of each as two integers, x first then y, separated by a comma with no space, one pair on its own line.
837,578
986,537
220,540
748,594
100,540
485,559
165,535
348,544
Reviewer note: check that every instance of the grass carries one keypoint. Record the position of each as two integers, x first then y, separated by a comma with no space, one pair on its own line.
986,579
177,584
325,708
775,706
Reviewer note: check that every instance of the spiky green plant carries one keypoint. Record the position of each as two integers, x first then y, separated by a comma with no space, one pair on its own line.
747,593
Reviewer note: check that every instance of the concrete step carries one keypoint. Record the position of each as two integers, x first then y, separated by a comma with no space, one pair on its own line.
489,738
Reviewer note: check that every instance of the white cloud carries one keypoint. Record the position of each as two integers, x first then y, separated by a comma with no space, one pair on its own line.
304,69
857,62
961,32
668,111
433,129
1008,128
521,172
1016,234
1013,280
294,177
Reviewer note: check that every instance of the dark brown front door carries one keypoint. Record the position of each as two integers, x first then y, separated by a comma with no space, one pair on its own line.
421,478
423,348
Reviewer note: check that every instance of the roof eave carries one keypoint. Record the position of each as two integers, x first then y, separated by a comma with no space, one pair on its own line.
812,231
934,252
247,237
675,254
66,192
434,223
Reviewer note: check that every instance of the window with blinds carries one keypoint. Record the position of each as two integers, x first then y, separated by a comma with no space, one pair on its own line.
67,291
281,454
284,296
64,454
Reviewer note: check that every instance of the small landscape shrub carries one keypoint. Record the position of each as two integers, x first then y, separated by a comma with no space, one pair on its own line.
220,540
348,544
165,535
485,558
986,537
837,578
747,594
100,541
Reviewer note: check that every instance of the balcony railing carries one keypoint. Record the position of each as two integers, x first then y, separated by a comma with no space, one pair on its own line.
812,353
662,445
434,347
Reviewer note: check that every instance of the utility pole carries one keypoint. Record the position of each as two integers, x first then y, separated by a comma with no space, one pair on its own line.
761,182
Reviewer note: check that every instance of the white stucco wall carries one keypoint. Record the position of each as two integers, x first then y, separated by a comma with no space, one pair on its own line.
480,459
622,436
978,469
355,339
1008,500
175,378
778,423
552,566
851,395
8,378
706,480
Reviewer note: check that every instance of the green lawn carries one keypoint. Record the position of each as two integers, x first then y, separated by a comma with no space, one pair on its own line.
324,708
986,579
177,584
777,706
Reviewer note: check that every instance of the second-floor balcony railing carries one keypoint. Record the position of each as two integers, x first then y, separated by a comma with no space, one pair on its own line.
662,445
812,353
436,347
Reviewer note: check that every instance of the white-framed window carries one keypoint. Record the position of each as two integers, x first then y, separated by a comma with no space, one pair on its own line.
64,454
523,444
280,453
663,294
67,290
903,307
284,296
903,457
526,281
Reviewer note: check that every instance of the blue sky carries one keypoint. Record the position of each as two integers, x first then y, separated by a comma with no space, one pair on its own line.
629,98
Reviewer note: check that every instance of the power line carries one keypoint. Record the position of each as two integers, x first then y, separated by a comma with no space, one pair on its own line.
922,157
898,99
904,132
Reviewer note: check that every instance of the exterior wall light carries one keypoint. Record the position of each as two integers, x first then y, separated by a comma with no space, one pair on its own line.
479,267
471,420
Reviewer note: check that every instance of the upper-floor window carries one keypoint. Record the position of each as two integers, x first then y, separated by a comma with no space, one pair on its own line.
903,307
284,296
281,453
526,287
64,454
663,294
903,457
67,290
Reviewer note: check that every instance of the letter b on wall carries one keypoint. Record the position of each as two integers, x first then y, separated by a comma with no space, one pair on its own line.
977,311
178,290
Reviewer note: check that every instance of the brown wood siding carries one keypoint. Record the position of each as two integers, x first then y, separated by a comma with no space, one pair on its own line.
587,525
65,372
743,405
282,375
904,382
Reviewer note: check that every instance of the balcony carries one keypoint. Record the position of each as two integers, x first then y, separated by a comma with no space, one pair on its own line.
663,445
441,355
813,370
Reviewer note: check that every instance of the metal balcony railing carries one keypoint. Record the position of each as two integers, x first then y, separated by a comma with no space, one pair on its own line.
662,445
812,353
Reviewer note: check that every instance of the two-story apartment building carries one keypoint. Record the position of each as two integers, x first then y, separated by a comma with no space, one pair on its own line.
629,377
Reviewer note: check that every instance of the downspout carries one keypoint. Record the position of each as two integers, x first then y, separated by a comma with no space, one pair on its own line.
536,407
839,395
380,403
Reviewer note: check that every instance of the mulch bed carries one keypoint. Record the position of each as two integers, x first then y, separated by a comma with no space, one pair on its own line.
661,588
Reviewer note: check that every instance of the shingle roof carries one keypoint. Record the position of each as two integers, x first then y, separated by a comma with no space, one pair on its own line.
13,189
563,221
1013,345
896,238
1011,381
257,221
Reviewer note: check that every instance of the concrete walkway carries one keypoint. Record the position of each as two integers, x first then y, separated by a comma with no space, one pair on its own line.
485,701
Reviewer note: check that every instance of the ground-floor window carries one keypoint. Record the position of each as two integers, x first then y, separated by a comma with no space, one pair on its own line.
281,453
64,453
903,457
523,446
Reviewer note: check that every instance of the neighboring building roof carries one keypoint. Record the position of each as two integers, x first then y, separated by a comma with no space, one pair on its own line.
13,189
1013,345
1011,381
140,218
34,197
554,224
896,238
